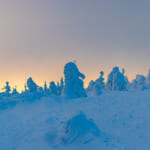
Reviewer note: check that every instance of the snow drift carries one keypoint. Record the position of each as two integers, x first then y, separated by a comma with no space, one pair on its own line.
113,120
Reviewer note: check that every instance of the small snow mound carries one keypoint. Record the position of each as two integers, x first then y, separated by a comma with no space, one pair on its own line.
80,129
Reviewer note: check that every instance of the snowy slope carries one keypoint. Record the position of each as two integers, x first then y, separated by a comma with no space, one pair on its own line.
113,121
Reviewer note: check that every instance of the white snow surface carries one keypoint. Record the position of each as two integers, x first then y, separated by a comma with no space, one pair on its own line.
116,121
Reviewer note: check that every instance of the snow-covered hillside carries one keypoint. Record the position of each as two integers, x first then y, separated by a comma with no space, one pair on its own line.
111,121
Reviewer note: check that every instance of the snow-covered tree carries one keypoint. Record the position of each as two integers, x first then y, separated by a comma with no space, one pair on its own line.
40,89
32,86
45,87
14,92
116,80
73,81
94,88
53,88
25,87
61,83
123,71
133,85
59,90
128,84
60,86
148,80
139,83
91,86
97,89
100,81
7,88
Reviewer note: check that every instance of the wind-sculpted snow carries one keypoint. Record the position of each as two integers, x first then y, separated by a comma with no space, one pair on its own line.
79,129
111,121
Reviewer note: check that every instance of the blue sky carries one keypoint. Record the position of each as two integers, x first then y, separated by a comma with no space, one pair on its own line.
38,37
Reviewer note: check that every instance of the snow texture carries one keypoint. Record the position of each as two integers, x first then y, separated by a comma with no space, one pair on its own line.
111,121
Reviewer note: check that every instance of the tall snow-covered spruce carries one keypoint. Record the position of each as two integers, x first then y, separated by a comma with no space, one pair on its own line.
116,80
74,86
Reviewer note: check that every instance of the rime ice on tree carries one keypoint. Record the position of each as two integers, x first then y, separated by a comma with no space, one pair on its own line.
40,89
139,83
91,85
61,83
93,89
96,87
14,92
32,86
7,88
53,88
60,86
100,81
116,80
45,87
73,81
148,79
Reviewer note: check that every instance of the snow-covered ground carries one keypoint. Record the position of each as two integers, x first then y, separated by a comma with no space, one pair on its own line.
111,121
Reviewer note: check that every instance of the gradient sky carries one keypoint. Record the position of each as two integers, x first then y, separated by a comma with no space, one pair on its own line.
37,38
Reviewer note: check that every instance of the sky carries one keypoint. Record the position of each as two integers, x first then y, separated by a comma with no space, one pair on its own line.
38,37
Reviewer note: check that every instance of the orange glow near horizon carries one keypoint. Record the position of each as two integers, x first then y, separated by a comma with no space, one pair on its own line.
19,79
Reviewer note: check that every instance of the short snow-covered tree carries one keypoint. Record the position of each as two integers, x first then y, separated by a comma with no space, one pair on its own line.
73,81
116,80
60,86
91,86
45,87
53,88
100,81
61,83
32,86
14,92
95,88
139,83
40,89
133,85
148,80
25,87
7,88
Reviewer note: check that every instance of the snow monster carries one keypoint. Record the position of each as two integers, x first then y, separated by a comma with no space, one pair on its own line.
74,86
